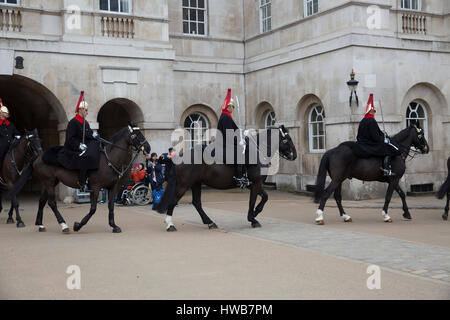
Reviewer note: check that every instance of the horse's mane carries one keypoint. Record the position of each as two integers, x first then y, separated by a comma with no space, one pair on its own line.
402,135
119,134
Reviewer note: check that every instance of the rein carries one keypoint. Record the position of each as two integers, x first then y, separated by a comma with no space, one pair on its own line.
120,173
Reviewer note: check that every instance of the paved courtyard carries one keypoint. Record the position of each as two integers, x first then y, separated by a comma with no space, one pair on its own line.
288,258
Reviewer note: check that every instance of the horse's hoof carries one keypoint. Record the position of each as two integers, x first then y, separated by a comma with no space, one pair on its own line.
42,229
407,216
10,221
66,230
320,222
256,224
171,229
117,230
76,226
212,226
349,220
388,220
445,217
20,224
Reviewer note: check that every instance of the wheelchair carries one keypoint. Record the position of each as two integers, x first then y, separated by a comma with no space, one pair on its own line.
139,194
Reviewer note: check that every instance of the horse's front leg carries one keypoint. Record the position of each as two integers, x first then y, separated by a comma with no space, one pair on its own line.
10,219
445,215
39,216
112,193
94,196
264,198
392,185
406,213
251,215
15,205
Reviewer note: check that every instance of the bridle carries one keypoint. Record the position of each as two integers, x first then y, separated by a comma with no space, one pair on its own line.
285,136
412,152
34,154
134,148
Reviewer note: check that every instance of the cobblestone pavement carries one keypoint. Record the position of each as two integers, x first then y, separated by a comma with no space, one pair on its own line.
406,257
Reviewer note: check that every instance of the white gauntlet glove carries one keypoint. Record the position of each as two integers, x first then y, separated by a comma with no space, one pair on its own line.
95,134
83,147
242,142
386,140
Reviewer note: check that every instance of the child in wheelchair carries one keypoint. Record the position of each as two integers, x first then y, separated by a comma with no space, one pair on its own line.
137,176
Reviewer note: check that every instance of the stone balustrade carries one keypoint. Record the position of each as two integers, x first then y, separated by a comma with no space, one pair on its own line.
117,27
10,19
414,23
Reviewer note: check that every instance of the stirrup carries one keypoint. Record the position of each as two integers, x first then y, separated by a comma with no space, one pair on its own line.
387,172
242,182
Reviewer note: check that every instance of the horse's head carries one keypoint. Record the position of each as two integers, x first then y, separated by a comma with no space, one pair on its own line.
418,137
137,140
33,141
286,146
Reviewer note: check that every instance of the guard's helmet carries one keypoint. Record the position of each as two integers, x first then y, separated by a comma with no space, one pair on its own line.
3,108
231,103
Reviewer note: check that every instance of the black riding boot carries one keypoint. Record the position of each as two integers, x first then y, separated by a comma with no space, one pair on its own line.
387,170
241,176
82,181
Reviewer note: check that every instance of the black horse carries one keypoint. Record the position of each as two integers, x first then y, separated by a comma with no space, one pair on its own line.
341,163
445,189
115,161
220,176
19,157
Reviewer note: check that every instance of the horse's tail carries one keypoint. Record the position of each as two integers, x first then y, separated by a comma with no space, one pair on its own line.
169,197
321,177
445,188
21,182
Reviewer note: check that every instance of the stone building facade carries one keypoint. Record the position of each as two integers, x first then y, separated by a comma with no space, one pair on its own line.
165,64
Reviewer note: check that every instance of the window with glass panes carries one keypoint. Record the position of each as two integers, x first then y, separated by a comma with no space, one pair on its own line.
411,4
265,9
417,112
10,1
194,16
317,129
196,125
311,7
122,6
270,120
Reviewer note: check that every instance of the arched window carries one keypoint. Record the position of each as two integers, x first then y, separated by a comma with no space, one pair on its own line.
416,111
317,129
270,120
197,125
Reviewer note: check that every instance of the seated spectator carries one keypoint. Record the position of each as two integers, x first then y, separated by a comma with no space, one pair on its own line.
137,175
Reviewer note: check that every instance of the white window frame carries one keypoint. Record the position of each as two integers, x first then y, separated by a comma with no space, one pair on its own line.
267,21
273,120
205,136
4,3
305,7
130,3
403,4
205,22
310,130
424,119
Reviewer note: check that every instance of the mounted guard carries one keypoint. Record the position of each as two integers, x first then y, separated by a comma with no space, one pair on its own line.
372,142
226,122
8,132
81,150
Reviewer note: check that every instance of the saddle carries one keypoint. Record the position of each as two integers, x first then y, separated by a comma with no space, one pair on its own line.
50,156
355,148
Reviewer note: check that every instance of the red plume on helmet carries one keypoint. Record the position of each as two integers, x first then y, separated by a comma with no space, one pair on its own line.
79,101
227,100
370,105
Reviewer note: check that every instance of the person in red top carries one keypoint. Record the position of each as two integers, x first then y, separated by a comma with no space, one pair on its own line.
138,174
